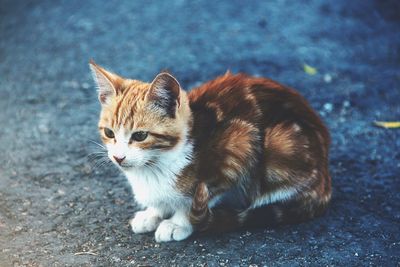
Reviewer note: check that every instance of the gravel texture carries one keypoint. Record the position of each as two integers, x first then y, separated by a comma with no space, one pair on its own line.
57,210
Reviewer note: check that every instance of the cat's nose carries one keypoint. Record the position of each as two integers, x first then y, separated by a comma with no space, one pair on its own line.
118,159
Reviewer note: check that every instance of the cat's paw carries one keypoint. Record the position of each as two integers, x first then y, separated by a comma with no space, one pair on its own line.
144,222
169,231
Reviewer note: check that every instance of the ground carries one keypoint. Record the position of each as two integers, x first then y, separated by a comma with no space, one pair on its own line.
56,209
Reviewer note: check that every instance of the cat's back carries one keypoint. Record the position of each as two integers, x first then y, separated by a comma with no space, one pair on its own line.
253,99
225,98
224,94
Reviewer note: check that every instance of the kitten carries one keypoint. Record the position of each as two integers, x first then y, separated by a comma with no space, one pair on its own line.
236,151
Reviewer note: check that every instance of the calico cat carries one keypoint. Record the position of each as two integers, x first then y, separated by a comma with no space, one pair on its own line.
236,151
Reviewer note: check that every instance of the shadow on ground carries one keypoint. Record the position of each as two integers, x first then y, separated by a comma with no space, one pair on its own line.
55,210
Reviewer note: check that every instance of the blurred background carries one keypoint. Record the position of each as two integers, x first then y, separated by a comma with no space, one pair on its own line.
57,210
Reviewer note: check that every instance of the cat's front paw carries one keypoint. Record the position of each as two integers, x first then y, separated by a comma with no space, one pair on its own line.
144,222
169,231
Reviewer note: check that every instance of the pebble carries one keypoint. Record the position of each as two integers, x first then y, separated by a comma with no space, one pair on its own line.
115,259
85,85
85,25
327,78
61,192
328,107
73,84
43,128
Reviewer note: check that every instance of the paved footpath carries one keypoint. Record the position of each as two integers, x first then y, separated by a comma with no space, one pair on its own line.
57,210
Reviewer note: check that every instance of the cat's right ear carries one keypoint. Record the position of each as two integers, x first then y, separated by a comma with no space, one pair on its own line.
164,93
106,82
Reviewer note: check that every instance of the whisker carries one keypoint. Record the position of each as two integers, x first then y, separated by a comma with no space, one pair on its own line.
97,154
98,144
101,163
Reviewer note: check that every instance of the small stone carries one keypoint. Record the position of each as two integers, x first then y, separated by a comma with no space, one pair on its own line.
85,25
327,78
43,128
72,84
85,85
61,192
328,107
115,259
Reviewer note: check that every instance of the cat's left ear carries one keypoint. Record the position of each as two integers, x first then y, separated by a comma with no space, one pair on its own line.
107,82
164,93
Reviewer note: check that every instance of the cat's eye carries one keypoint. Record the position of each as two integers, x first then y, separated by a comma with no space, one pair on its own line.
109,133
139,136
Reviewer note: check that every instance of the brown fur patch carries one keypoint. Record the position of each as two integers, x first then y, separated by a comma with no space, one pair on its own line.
289,138
283,139
237,144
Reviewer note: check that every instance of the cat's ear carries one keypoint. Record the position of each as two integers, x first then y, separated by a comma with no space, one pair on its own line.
164,93
107,82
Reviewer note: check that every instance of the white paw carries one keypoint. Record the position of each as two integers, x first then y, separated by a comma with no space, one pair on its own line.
144,222
169,231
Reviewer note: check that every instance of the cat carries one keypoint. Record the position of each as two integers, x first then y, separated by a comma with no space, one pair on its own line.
234,152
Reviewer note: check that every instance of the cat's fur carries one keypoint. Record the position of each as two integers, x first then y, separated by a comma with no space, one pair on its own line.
235,151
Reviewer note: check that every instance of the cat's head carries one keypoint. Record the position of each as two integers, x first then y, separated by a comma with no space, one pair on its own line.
139,122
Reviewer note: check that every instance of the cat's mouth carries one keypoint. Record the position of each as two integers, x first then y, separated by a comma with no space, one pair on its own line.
126,166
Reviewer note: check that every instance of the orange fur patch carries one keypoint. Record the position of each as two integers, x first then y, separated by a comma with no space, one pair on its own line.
131,110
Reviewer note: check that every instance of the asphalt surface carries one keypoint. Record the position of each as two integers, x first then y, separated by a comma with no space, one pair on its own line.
56,209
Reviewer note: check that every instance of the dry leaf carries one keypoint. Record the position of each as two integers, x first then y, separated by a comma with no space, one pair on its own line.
388,124
309,70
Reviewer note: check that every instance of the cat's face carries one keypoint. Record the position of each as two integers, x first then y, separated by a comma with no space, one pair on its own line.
139,121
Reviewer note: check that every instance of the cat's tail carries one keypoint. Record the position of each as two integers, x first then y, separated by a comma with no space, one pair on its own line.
216,220
205,219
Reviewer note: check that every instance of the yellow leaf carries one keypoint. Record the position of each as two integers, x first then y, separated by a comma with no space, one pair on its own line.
309,70
388,124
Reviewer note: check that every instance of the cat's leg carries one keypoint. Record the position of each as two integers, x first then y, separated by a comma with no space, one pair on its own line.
177,228
146,221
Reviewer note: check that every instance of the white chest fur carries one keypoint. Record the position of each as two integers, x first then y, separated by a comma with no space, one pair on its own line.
156,186
152,189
